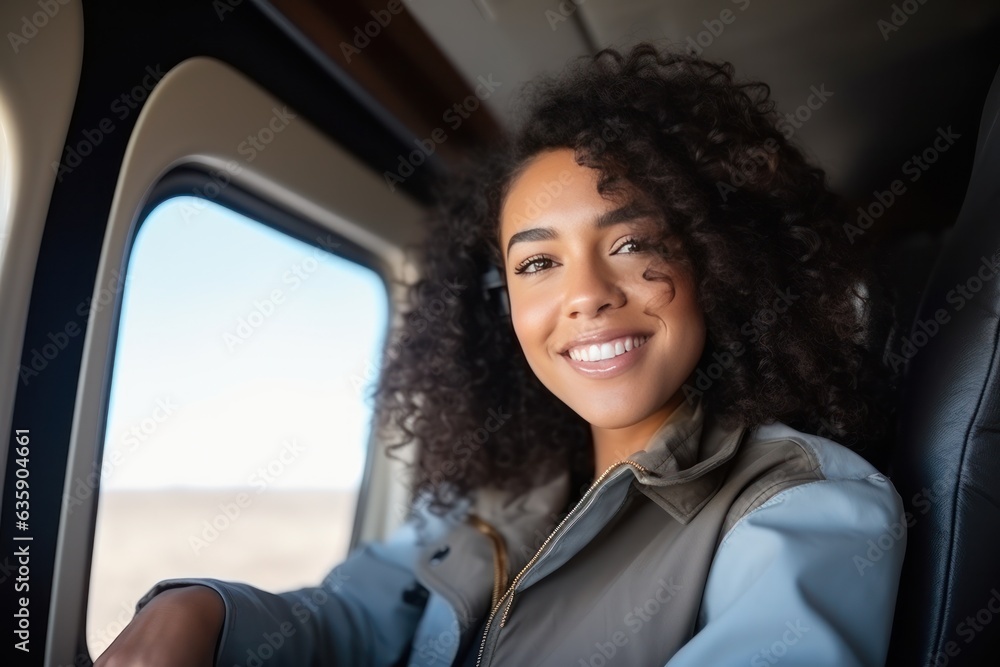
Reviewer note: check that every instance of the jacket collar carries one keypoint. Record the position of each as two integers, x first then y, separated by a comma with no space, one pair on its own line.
685,458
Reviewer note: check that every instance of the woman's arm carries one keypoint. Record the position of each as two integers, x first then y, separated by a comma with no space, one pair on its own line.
364,612
808,578
179,627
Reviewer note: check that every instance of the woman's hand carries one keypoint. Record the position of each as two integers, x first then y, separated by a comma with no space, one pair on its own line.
177,628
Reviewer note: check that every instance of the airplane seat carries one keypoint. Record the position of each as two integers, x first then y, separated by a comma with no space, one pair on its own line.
946,460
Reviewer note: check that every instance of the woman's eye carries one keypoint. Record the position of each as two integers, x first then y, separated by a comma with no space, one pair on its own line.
631,245
533,265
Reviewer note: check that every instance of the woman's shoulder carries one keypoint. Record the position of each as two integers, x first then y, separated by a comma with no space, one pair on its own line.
812,549
829,458
778,462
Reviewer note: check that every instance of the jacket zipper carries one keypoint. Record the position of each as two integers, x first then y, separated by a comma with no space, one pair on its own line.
517,579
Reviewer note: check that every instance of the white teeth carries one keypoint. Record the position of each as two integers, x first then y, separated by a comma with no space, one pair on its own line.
608,350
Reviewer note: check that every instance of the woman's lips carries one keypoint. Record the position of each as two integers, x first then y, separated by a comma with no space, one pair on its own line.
608,368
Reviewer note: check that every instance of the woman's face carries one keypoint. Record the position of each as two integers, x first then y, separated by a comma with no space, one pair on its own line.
613,346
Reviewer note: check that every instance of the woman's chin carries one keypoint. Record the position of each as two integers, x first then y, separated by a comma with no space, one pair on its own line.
609,418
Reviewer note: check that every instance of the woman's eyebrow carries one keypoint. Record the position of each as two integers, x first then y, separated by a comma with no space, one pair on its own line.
625,213
615,216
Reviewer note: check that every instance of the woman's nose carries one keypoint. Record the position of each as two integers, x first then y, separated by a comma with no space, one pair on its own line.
590,289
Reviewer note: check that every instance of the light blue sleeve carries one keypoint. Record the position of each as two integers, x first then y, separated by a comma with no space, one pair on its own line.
365,612
808,578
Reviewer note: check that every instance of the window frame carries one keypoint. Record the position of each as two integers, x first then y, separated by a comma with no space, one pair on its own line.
191,180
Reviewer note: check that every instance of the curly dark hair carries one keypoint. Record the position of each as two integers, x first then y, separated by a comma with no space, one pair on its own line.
742,209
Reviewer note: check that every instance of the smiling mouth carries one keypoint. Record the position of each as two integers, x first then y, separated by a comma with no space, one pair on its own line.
607,350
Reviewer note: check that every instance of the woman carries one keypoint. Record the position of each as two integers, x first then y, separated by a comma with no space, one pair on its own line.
617,459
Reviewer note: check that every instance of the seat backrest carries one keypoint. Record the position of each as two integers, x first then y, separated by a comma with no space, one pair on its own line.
946,463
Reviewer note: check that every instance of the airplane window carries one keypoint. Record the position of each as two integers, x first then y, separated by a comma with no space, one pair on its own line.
239,413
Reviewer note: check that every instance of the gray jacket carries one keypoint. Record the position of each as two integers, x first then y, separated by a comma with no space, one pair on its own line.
707,547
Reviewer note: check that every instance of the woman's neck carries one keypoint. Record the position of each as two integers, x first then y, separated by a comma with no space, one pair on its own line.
616,444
